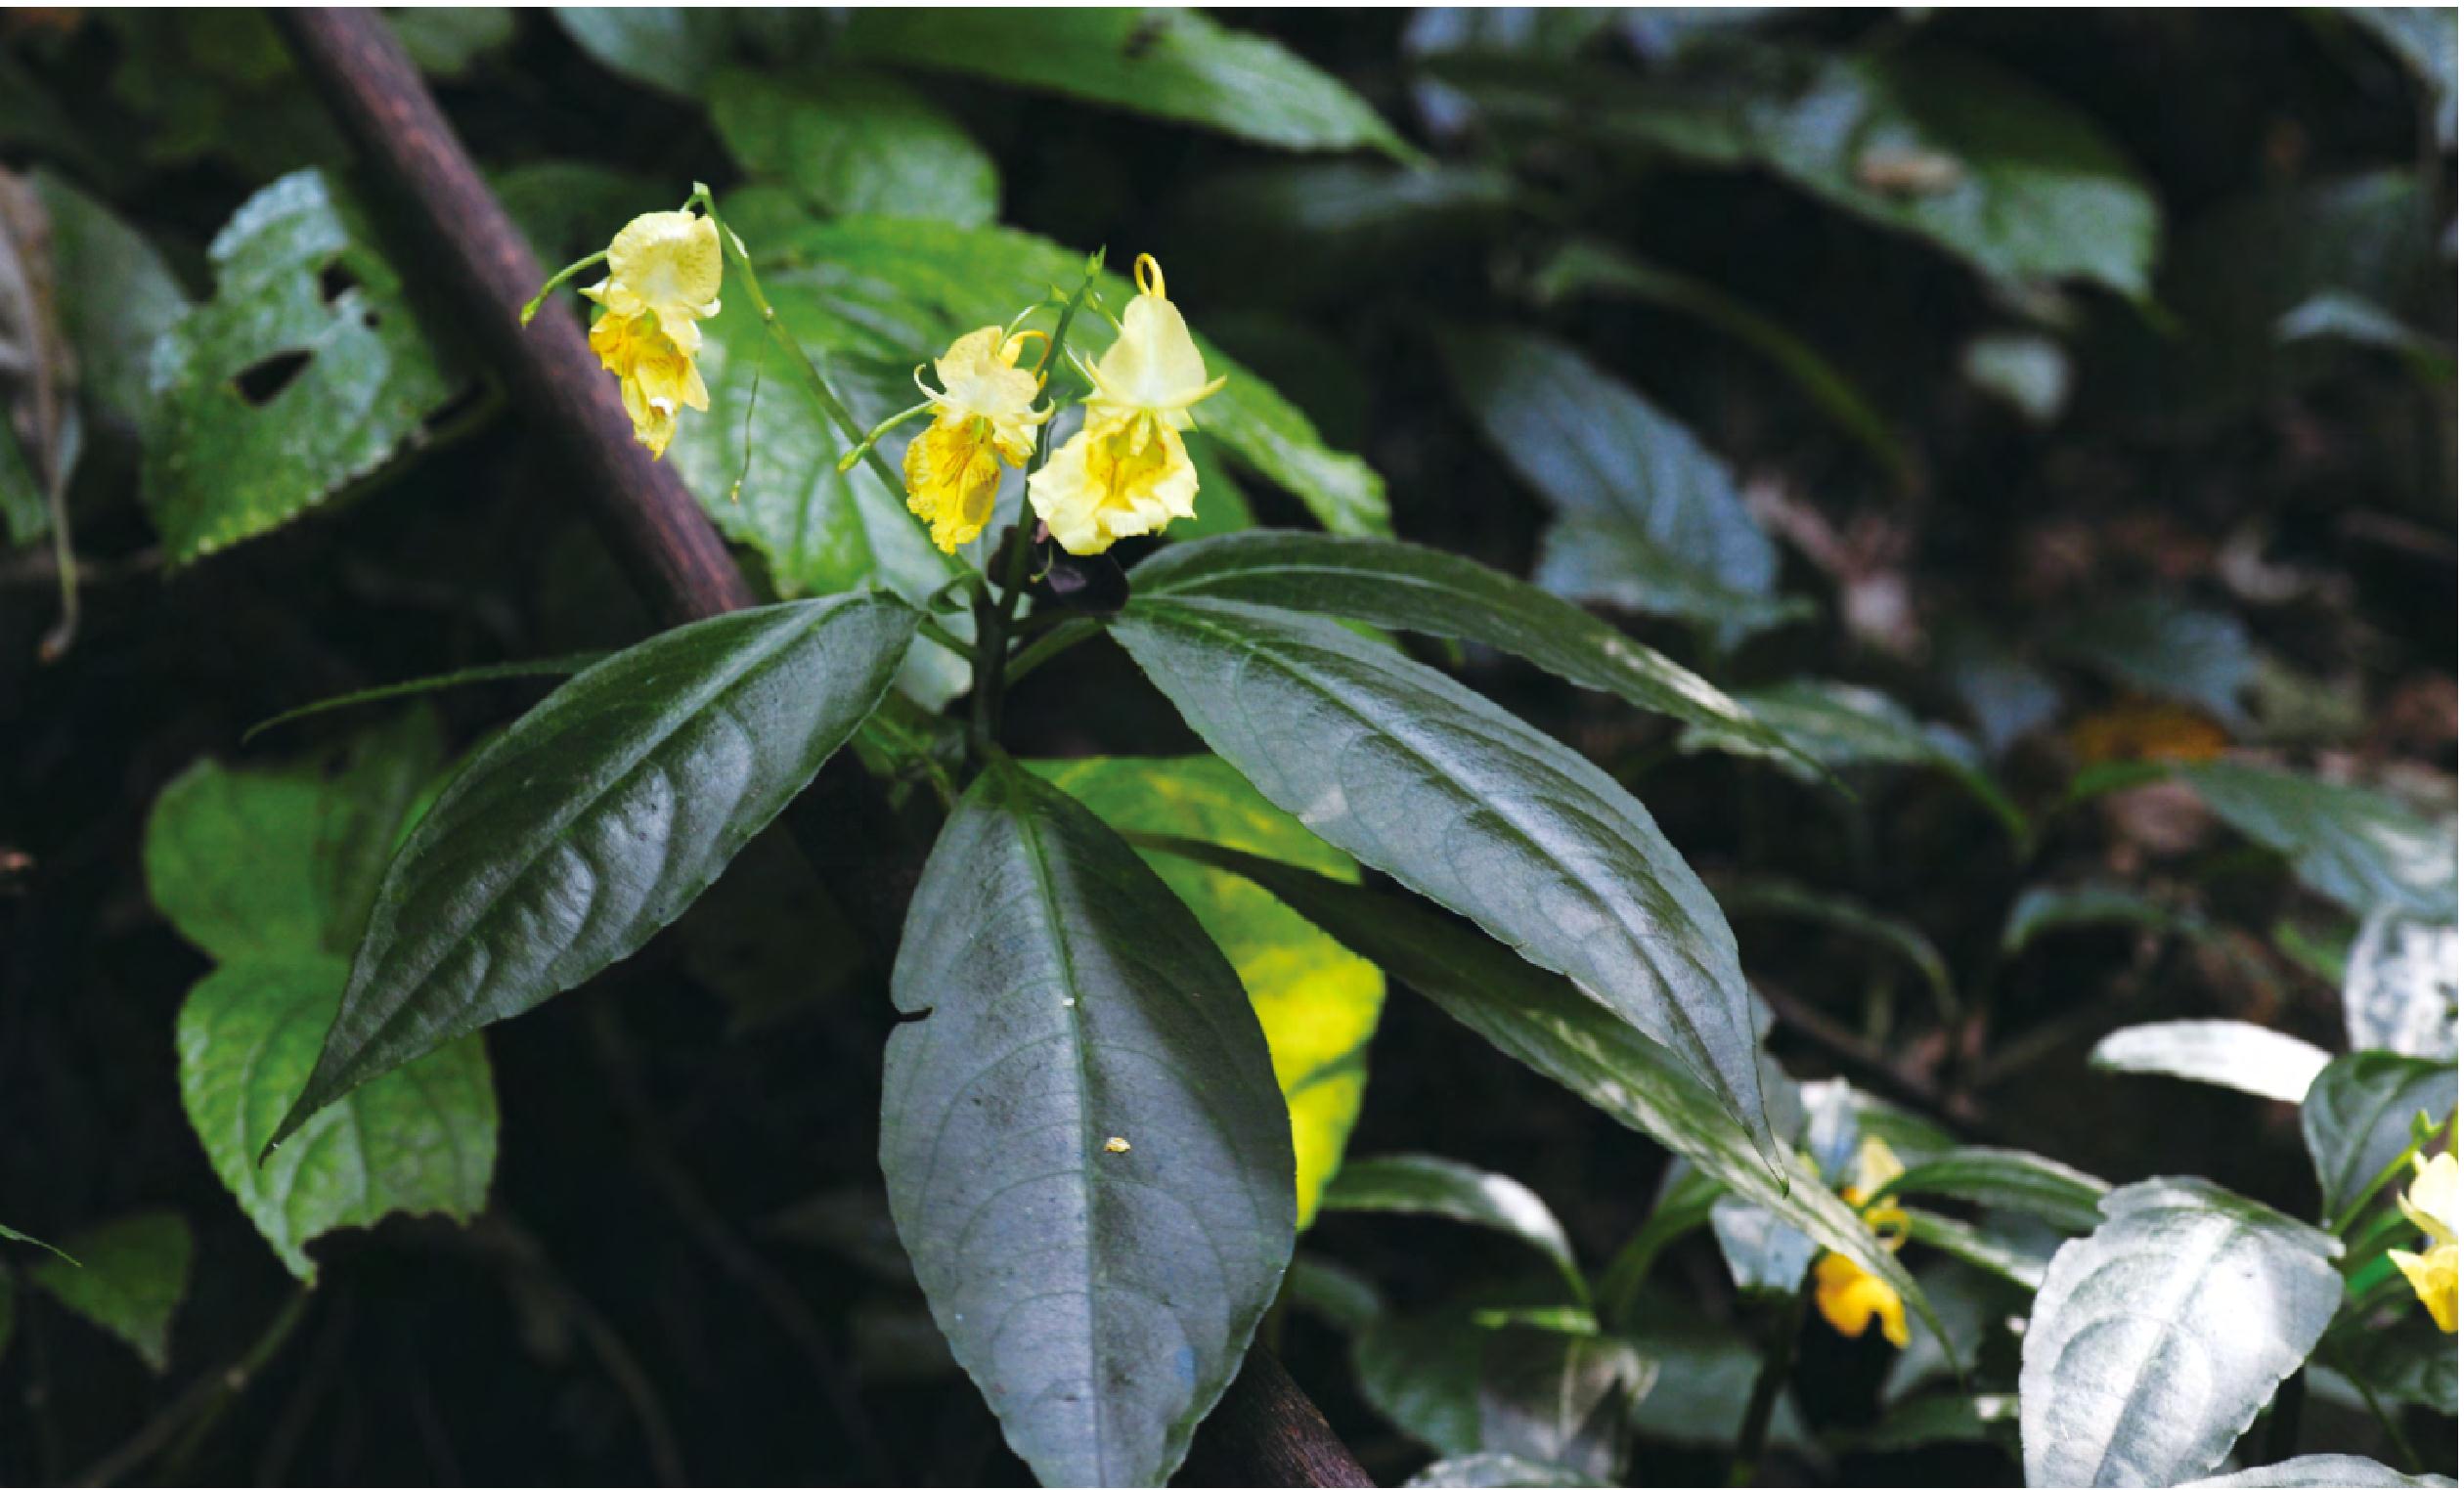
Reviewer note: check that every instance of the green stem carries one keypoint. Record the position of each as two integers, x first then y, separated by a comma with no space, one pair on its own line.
557,279
2370,1192
1044,649
1778,1359
934,631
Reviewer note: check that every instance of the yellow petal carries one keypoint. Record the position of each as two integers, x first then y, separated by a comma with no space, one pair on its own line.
2430,1202
671,260
1155,366
1850,1300
2432,1280
1122,475
1876,1166
954,474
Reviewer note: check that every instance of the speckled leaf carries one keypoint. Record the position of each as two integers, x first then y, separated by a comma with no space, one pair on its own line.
853,142
1087,1157
130,1278
1317,1002
1404,586
596,818
1412,773
1173,63
2158,1338
2400,986
304,373
2358,1116
421,1138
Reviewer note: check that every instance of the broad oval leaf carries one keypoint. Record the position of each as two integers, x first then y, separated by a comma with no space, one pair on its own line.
128,1276
2221,1052
1317,1001
1424,1184
2359,847
1087,1156
2400,986
1404,586
1554,1028
2009,1179
1416,775
419,1138
596,818
2358,1115
2348,1469
2156,1339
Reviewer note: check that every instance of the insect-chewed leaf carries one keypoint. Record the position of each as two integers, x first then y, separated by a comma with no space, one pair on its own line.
1087,1155
2156,1339
596,818
1416,775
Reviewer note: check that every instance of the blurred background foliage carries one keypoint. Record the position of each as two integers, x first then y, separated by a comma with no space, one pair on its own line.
2046,420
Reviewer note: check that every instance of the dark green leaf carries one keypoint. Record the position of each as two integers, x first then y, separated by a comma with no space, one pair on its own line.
115,296
1175,64
421,1138
1423,1373
1988,1417
2348,1469
130,1278
1422,1184
1087,1156
596,818
1404,586
2158,646
1317,1002
1766,896
2422,38
1413,774
493,671
1551,1026
2356,847
1704,1380
2221,1052
2043,908
1763,1252
568,209
2406,1359
852,141
304,373
669,48
2007,1179
1561,1398
2358,1116
447,41
2012,1260
2156,1339
2400,987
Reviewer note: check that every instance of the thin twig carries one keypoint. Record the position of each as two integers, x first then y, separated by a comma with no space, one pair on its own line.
193,1414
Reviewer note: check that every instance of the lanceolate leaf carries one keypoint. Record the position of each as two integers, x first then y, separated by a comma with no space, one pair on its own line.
2358,1115
1404,586
2156,1339
1413,774
2356,847
1422,1184
129,1276
1087,1156
1549,1025
2221,1052
2007,1179
596,818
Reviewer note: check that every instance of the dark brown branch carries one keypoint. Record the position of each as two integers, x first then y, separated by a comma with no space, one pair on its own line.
1266,1431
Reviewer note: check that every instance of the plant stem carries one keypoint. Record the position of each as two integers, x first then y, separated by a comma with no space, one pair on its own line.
1779,1360
1044,649
197,1409
2370,1192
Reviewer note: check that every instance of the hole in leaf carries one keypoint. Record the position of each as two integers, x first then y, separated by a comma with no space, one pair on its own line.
262,383
336,281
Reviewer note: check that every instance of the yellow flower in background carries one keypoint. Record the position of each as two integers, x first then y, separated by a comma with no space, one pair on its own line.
1849,1297
663,272
2430,1204
1127,471
984,414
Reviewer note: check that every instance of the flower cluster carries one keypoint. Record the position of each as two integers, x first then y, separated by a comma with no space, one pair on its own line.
984,414
663,272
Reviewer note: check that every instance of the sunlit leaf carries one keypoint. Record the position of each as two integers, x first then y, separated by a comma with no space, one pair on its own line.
2400,987
2359,1114
2221,1052
1422,1184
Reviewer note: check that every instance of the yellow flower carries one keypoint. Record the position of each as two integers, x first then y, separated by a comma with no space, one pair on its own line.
1849,1297
1127,472
663,272
985,414
2430,1205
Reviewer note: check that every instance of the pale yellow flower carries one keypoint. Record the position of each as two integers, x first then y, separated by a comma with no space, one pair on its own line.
1127,471
2430,1204
1849,1297
663,272
984,414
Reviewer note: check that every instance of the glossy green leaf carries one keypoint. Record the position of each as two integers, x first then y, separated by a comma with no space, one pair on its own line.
1421,1372
1559,1397
2356,847
2346,1470
1649,518
853,142
2156,1339
115,296
2161,647
1586,269
1763,1252
1173,63
901,290
1317,1002
421,1138
1843,726
130,1278
1403,587
1088,1158
2221,1052
1990,1249
1413,774
596,818
2009,1179
1551,1026
493,671
671,49
2044,908
2400,987
279,863
306,372
2358,1116
1424,1184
